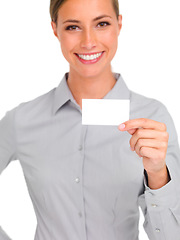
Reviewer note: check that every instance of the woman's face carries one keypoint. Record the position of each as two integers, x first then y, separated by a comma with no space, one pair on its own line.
88,33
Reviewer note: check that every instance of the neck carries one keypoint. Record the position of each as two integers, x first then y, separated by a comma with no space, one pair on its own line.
95,87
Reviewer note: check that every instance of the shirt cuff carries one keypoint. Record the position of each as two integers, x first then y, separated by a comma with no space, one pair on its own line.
164,196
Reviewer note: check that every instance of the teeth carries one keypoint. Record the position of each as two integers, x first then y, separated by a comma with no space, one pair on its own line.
90,57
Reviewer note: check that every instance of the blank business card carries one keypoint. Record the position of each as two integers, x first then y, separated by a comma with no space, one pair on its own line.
105,111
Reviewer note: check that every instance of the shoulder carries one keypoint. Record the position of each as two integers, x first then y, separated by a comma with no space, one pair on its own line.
144,107
141,106
40,106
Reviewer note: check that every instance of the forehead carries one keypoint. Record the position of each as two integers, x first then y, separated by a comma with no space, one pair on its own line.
86,9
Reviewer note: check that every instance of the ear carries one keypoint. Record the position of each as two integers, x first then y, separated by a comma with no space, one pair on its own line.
54,27
119,23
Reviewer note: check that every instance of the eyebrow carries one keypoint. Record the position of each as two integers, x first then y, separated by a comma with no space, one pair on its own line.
95,19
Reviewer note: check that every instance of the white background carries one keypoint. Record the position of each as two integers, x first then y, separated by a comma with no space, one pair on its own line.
31,64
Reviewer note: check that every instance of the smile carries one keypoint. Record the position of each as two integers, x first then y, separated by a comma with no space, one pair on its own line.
90,57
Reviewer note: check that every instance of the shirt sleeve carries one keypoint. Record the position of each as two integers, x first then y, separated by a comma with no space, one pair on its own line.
7,148
161,207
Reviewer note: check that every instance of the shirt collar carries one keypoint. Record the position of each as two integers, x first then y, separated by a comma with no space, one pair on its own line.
63,94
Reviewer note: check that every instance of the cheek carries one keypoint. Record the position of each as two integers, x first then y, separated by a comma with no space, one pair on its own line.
66,50
110,40
67,44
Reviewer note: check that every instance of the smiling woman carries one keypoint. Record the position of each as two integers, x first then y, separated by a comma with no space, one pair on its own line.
88,42
88,181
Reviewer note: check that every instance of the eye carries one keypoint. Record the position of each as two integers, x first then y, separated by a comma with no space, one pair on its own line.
103,24
72,28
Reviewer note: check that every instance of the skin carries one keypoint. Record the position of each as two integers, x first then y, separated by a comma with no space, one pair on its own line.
150,141
93,81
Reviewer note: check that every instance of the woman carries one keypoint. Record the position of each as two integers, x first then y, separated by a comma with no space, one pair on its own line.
85,181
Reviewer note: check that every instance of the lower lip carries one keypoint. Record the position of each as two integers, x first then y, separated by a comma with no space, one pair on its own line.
90,61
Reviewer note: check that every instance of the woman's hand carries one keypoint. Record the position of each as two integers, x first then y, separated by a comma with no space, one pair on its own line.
150,141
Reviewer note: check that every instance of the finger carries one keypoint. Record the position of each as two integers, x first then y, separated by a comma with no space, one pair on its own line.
151,143
153,154
132,131
147,134
142,123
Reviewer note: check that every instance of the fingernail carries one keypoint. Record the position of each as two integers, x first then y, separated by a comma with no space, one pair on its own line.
122,126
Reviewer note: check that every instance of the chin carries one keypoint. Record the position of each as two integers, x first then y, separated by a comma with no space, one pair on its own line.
90,73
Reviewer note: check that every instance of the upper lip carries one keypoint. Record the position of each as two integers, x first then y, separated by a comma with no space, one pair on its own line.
88,53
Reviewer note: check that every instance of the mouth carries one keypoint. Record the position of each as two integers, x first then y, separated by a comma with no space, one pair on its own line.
89,58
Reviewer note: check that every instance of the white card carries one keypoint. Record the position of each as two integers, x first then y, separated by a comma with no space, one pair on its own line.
105,111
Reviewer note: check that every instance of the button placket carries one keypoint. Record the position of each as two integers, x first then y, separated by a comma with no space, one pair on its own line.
78,180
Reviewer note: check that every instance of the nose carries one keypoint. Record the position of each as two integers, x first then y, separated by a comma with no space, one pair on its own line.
88,39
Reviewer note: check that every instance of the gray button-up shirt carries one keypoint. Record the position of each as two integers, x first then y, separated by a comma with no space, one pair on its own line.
84,181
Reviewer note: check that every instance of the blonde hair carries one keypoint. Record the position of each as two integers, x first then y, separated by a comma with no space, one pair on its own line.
56,4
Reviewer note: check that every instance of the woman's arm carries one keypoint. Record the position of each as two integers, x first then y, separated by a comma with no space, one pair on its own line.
160,201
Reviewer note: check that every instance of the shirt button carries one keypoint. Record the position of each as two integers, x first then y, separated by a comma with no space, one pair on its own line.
77,180
158,230
154,205
80,148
